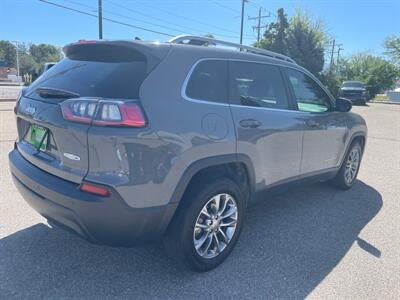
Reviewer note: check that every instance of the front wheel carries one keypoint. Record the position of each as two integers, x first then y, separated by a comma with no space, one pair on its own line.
347,175
207,226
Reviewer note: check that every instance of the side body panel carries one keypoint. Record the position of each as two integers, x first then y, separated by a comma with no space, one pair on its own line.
324,140
274,147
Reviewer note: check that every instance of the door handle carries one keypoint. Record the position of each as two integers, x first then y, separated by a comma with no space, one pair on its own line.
312,123
250,123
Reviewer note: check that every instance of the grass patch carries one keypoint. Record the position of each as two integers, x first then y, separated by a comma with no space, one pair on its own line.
381,97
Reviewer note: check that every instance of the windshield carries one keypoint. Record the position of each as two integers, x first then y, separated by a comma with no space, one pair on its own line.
354,84
104,79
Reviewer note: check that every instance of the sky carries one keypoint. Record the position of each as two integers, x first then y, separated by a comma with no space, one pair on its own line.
360,25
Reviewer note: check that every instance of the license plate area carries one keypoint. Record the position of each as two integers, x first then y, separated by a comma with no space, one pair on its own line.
38,137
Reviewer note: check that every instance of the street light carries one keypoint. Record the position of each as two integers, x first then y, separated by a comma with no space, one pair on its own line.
15,43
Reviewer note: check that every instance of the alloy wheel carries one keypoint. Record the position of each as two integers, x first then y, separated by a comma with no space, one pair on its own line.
215,225
352,164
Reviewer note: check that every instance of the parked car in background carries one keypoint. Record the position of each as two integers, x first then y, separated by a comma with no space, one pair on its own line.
129,141
47,66
355,91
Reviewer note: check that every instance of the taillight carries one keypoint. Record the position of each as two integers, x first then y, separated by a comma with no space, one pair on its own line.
94,189
103,112
119,114
79,110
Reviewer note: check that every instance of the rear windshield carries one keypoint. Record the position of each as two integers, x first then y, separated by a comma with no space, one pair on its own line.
93,78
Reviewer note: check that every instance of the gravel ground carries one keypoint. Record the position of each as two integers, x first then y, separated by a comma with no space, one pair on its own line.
313,241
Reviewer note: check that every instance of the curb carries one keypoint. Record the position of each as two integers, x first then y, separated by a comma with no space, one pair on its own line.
385,102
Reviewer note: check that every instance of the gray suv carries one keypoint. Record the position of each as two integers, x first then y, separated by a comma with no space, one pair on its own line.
125,142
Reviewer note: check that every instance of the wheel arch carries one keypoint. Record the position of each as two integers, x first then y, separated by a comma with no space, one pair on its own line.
357,136
215,166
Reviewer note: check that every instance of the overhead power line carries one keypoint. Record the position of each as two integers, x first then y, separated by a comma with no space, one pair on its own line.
178,31
225,6
190,19
107,19
126,17
168,22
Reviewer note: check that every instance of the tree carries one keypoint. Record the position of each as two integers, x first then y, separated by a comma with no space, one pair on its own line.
392,46
8,53
275,37
43,53
301,38
305,42
374,71
28,65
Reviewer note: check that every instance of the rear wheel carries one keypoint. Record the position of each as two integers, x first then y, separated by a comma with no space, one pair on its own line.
347,175
207,226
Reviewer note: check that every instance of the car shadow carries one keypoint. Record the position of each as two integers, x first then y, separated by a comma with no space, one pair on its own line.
289,244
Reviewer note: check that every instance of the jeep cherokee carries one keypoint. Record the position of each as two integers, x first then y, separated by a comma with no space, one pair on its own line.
124,142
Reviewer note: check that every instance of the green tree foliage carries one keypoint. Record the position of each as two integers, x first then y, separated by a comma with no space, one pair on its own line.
8,53
43,53
31,57
392,46
28,65
305,42
275,37
376,72
301,38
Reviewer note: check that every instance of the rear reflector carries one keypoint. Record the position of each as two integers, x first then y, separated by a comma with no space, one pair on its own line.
94,189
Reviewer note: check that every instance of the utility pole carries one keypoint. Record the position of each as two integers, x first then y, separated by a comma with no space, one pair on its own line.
333,50
259,26
338,55
100,14
17,55
241,22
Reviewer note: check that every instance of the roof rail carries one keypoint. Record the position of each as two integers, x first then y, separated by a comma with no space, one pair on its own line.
205,41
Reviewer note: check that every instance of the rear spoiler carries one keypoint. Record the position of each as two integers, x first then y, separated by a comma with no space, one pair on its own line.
118,51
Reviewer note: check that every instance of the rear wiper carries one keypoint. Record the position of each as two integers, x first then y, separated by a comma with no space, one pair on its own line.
47,92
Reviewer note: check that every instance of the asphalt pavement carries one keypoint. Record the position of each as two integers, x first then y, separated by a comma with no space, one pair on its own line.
313,241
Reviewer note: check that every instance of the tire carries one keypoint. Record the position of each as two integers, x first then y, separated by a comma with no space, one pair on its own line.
341,180
180,238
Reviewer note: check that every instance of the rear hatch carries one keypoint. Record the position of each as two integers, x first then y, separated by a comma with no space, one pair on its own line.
56,112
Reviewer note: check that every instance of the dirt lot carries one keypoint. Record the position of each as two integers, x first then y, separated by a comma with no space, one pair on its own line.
313,242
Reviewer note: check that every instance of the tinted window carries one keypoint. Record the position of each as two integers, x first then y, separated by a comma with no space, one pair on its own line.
258,85
95,78
209,81
309,95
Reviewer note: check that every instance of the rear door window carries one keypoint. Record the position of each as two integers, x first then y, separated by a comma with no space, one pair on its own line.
258,85
209,81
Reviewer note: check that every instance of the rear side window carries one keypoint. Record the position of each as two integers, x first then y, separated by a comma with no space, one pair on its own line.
209,81
259,85
92,77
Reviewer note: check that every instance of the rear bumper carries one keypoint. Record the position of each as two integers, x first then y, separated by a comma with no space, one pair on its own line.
100,220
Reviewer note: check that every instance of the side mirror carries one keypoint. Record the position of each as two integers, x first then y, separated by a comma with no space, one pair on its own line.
343,105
